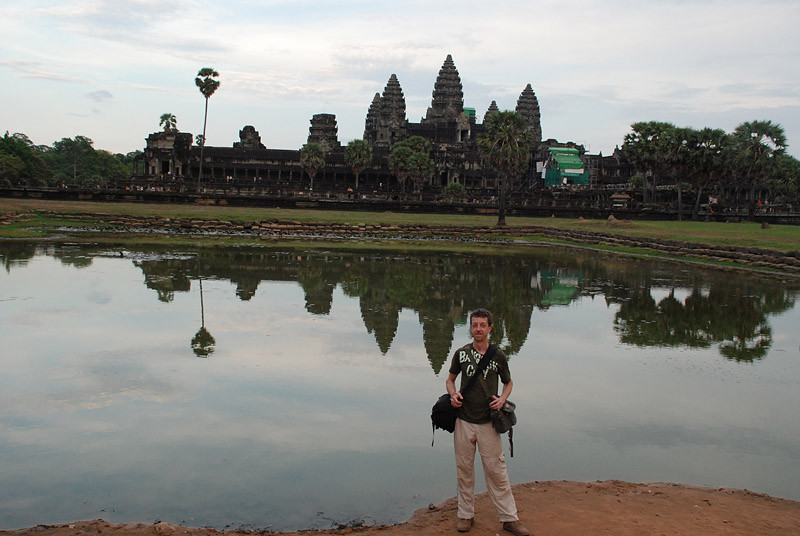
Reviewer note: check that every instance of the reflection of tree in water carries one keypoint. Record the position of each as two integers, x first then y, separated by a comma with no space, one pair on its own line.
73,256
202,342
14,254
727,312
167,275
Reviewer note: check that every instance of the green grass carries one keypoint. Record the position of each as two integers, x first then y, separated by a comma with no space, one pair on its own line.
777,237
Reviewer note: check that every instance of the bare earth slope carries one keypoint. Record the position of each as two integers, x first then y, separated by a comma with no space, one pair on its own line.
555,509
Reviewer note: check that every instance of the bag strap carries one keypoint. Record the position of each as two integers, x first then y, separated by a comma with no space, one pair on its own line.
482,364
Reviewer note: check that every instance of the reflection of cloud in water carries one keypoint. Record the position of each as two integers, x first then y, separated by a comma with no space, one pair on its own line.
731,438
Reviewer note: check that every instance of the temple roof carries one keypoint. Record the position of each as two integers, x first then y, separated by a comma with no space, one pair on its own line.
492,109
528,108
393,102
448,95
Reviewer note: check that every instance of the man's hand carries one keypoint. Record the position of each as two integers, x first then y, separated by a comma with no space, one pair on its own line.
456,400
497,402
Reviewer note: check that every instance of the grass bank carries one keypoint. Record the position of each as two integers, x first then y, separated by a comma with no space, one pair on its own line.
46,218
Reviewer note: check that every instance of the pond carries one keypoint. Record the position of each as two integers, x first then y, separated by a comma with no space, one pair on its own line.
284,388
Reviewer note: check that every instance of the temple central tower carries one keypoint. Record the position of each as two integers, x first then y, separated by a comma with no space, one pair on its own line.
448,94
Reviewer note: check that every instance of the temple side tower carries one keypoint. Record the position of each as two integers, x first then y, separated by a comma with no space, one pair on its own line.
324,131
448,94
528,108
386,118
492,109
249,139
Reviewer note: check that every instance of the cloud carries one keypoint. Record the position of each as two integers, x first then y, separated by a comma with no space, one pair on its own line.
38,70
100,96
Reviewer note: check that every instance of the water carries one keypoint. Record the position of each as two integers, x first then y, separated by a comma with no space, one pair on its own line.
295,391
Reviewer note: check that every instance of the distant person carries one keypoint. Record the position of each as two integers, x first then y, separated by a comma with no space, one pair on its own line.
474,427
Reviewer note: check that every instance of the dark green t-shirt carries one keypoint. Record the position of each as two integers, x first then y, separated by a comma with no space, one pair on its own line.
465,362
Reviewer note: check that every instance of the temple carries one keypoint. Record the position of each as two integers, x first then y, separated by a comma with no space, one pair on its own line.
170,158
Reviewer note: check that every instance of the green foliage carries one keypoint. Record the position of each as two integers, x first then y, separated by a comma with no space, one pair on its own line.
411,158
75,161
21,162
312,159
455,189
206,81
506,146
169,122
358,155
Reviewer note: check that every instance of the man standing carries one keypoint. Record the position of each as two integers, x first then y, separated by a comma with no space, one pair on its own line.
473,426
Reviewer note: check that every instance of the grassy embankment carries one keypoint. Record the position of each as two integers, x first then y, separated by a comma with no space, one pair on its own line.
44,224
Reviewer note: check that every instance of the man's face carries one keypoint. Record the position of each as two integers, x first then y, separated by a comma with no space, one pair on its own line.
480,328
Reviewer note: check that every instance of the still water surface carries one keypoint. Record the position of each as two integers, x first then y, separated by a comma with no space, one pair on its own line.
295,390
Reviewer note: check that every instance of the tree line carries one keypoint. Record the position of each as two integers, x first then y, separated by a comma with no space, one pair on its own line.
751,160
69,161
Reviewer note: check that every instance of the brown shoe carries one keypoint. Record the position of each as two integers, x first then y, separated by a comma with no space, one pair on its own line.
516,528
464,525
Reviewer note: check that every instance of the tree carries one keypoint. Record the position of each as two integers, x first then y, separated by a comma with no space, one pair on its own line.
169,122
411,158
312,159
756,144
20,161
74,160
69,154
506,146
207,83
645,148
707,148
358,155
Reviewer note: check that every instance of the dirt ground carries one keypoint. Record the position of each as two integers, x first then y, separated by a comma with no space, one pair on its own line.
555,508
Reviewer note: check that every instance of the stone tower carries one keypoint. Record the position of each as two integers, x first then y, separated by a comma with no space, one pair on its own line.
448,95
528,108
386,118
249,139
323,130
492,109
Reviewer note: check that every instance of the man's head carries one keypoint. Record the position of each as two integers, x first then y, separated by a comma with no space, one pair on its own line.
481,313
480,324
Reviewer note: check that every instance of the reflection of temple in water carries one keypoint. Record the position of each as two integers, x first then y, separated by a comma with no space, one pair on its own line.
655,304
443,288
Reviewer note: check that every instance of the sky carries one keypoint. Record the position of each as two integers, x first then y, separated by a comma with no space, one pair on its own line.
108,69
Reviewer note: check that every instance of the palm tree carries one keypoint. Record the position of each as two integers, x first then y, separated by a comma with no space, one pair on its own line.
169,122
707,147
207,84
645,147
358,155
506,146
757,143
312,158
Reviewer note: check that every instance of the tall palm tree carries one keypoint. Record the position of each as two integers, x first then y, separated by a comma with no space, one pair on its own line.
506,146
169,122
312,159
358,155
707,147
757,143
207,83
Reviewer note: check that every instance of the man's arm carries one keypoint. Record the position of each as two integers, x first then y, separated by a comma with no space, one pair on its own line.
499,401
455,396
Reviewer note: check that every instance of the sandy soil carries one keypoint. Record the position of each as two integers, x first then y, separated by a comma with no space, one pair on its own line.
552,509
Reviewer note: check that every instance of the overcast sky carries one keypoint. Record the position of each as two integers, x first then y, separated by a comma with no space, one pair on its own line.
108,69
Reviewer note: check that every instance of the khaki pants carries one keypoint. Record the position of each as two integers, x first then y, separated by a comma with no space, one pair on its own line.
490,446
